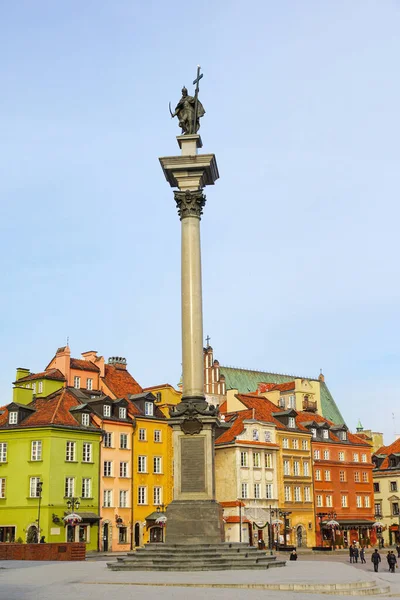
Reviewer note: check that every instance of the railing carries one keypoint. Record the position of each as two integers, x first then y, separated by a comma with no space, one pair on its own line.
310,405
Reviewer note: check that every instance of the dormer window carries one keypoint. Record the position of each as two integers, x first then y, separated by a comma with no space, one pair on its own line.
314,432
40,387
89,383
343,435
255,435
325,434
107,410
149,409
292,422
122,413
34,388
13,418
282,403
85,419
77,382
267,435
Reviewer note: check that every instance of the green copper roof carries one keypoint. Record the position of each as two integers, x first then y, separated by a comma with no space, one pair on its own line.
246,381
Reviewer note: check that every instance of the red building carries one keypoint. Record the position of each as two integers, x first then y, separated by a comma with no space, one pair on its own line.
343,483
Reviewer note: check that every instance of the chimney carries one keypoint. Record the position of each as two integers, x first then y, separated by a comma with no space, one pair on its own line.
321,376
118,362
62,361
21,372
90,355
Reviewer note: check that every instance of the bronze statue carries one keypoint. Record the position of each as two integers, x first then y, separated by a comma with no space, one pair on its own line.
189,109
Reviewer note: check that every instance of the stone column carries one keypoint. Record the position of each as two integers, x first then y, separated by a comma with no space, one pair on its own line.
194,516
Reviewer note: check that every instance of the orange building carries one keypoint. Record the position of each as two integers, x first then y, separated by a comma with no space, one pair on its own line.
343,484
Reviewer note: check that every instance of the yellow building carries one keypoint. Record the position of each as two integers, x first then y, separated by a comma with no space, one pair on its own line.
166,396
386,476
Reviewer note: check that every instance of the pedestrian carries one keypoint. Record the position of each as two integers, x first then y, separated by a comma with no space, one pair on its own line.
42,539
355,554
362,555
392,560
398,550
351,554
293,554
376,559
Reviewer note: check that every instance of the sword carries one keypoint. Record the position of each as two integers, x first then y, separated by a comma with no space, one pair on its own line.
172,115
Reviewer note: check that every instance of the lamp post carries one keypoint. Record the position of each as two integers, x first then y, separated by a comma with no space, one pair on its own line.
73,503
278,512
332,517
39,492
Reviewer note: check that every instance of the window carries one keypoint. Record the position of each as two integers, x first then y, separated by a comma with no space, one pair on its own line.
377,487
86,487
158,396
317,455
13,418
3,452
313,432
2,487
69,489
255,435
341,456
326,454
122,412
304,444
295,444
89,384
296,467
122,535
328,501
269,491
77,382
107,440
359,501
327,475
107,410
87,452
357,476
342,476
123,498
107,468
285,443
355,457
243,459
107,498
319,500
157,435
286,467
70,452
85,419
288,493
367,501
292,402
149,409
142,435
123,441
363,458
244,490
40,387
317,475
395,508
34,487
257,493
282,402
306,469
36,450
297,493
267,436
393,486
34,387
256,459
123,469
292,422
343,435
157,464
142,494
344,501
142,464
268,460
378,509
157,495
325,434
307,494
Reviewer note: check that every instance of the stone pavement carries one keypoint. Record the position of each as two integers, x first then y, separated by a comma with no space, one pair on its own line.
91,580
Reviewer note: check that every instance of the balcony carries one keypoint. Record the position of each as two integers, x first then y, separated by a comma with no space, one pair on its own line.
309,406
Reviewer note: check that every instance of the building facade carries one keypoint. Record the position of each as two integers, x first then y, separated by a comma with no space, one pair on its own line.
386,478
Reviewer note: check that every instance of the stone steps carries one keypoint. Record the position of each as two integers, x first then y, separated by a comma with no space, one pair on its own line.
202,557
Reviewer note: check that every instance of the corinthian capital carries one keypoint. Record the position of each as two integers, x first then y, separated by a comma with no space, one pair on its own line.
190,203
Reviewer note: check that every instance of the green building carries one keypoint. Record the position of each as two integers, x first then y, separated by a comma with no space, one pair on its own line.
49,458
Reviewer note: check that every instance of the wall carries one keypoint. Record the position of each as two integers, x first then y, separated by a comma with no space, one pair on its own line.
68,552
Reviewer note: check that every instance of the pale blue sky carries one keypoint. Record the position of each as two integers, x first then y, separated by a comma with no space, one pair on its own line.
300,235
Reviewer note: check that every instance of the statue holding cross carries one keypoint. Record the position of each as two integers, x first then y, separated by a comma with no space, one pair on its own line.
189,109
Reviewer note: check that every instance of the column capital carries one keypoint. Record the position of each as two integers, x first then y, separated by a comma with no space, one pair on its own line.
190,203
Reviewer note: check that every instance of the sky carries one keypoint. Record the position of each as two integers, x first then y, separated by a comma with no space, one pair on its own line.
300,235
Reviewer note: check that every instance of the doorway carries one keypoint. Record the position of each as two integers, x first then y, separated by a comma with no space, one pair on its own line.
137,534
156,535
106,534
300,536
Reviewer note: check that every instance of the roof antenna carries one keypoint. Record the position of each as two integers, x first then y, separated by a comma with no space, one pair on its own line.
67,340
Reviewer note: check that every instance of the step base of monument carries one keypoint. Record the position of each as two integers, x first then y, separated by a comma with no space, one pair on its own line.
202,557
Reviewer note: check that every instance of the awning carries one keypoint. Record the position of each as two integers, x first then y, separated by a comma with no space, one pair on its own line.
89,517
153,516
352,524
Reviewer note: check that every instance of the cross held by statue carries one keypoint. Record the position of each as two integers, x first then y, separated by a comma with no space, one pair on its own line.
196,95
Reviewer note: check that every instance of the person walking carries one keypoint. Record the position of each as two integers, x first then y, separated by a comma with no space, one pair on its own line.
376,559
351,554
398,550
355,554
387,558
362,555
392,560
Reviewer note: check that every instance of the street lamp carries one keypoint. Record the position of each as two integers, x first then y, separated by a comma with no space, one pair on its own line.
73,503
278,512
331,516
39,487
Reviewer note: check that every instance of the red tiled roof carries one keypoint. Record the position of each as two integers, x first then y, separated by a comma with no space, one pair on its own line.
83,365
222,407
264,410
50,374
235,519
120,382
269,387
266,444
387,450
303,417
